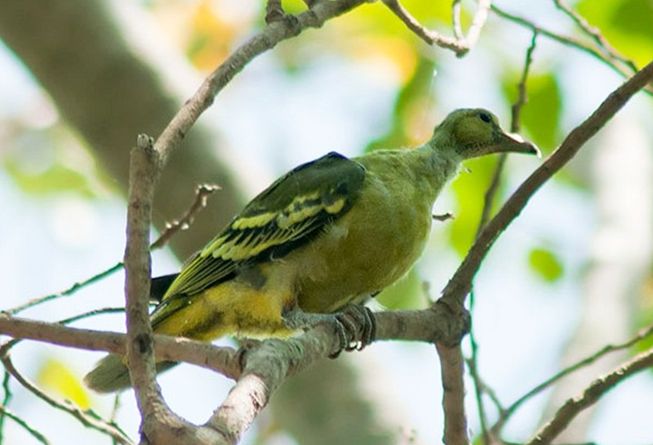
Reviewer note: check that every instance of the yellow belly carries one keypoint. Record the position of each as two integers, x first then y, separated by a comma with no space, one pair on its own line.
235,307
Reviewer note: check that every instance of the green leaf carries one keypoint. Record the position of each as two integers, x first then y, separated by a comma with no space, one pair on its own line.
627,25
545,264
469,193
643,313
409,106
406,293
56,179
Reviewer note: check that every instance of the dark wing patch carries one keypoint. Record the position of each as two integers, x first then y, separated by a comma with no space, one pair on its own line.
283,217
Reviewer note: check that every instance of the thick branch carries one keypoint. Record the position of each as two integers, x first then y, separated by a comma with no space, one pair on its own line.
452,367
220,359
143,174
266,366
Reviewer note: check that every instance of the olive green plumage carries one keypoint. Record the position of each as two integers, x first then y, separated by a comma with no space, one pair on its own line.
329,233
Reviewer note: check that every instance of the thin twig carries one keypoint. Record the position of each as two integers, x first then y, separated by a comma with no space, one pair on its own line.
522,98
455,20
595,34
5,401
569,41
459,44
65,293
474,31
23,423
202,193
510,410
114,413
590,395
88,418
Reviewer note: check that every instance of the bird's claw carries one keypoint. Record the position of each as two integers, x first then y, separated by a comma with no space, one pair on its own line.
356,328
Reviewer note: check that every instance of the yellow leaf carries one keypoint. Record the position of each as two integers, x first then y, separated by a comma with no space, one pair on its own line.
58,378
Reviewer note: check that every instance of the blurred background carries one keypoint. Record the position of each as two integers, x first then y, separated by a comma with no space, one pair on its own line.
81,78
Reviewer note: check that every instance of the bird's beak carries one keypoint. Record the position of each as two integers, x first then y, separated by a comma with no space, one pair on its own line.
514,143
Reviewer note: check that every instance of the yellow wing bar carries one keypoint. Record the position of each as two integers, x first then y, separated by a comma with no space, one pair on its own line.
283,217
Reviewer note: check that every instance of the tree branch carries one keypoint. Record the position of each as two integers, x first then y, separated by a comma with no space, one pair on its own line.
458,287
87,418
458,44
23,423
460,284
202,192
589,396
596,35
510,410
452,369
571,42
266,365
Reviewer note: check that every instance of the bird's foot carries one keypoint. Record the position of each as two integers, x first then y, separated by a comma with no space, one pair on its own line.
246,345
355,325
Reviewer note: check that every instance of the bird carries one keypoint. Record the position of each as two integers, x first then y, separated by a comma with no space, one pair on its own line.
317,243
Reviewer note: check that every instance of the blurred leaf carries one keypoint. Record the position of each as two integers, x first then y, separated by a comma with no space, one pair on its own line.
626,24
211,37
411,106
376,17
545,264
57,377
55,179
290,6
541,114
406,293
644,312
469,192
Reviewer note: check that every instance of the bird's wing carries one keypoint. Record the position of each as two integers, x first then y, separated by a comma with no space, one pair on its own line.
283,217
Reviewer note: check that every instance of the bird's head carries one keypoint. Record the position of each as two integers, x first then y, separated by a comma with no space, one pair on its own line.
473,132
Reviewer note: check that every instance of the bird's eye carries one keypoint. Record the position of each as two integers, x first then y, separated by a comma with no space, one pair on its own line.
485,117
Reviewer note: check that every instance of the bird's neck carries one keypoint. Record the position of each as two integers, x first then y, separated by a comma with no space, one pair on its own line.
436,164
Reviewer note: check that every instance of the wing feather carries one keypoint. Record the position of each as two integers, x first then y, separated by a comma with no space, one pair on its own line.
283,217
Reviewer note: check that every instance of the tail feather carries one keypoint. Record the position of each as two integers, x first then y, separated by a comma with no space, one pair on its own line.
111,374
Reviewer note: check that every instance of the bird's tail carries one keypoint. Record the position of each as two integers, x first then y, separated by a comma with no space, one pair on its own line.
111,374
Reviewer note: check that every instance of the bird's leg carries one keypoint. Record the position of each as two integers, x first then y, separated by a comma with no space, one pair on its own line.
295,318
355,325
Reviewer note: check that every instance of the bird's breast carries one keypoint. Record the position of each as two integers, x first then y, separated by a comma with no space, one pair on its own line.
366,250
